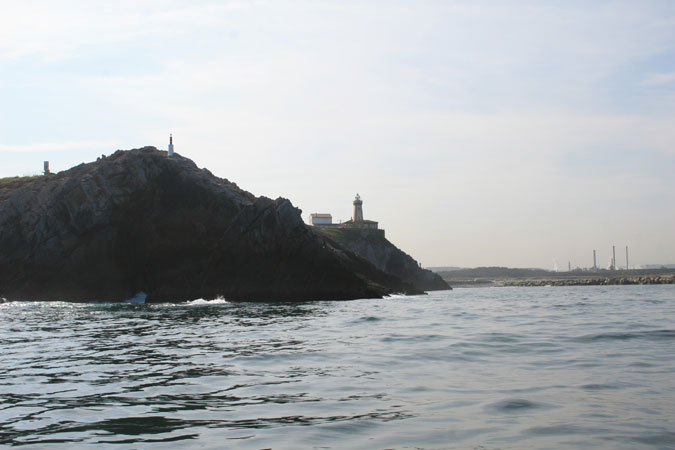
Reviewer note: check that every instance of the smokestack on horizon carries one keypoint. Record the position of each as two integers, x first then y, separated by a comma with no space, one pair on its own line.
626,257
595,266
613,257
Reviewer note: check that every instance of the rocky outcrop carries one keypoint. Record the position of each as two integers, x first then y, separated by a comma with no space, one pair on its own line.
142,221
373,246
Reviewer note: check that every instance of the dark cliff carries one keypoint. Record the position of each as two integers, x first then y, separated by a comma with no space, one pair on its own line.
385,256
139,220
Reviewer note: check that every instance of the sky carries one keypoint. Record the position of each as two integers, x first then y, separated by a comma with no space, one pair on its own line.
478,133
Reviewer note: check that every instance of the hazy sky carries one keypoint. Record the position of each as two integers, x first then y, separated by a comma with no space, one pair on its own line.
515,133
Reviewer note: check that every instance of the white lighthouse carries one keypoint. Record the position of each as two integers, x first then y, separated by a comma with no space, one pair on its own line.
357,220
170,145
358,210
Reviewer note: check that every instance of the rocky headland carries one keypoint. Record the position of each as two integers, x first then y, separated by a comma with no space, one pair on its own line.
141,221
378,250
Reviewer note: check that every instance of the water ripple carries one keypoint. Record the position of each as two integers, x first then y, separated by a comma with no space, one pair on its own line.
654,335
471,368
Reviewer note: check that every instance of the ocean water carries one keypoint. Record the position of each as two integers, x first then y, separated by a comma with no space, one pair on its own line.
488,368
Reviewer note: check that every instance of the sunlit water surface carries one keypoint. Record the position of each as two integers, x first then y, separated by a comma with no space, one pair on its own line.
510,368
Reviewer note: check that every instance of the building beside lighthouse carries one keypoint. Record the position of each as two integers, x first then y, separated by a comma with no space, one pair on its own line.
321,219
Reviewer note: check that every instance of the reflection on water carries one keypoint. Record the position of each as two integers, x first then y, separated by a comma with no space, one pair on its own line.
497,368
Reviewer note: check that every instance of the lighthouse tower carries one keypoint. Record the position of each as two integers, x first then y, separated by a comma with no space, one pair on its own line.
170,145
358,211
357,220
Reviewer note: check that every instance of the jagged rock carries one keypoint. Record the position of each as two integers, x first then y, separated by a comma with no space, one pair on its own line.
140,221
373,246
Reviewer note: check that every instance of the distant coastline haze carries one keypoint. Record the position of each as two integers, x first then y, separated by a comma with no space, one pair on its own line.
525,134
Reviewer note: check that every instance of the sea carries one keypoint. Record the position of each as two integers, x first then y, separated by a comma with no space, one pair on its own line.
476,368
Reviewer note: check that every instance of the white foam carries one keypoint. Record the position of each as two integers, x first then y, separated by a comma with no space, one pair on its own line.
138,299
201,301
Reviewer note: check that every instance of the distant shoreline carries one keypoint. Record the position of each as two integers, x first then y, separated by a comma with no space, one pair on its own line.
504,277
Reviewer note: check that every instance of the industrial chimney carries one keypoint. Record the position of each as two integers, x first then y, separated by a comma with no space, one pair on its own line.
626,257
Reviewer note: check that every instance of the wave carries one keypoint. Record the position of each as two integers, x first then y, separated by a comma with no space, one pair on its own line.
614,336
515,405
138,299
201,301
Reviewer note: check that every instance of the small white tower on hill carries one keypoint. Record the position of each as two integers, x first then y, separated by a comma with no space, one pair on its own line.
170,145
358,210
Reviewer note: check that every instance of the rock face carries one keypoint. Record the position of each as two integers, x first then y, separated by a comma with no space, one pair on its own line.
384,255
142,221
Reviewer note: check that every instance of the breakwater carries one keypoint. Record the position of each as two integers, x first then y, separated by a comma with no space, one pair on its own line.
504,276
598,281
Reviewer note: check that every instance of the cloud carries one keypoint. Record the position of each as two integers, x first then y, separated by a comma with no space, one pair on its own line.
473,114
54,32
658,79
58,146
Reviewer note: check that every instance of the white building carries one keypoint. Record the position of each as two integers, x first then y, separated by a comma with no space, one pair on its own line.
320,219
